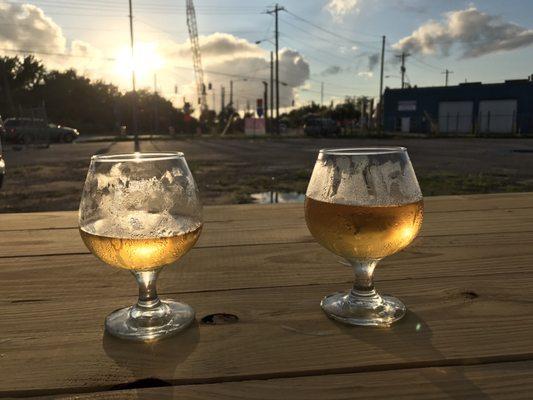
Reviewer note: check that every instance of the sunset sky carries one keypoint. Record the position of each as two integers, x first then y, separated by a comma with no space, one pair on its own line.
332,41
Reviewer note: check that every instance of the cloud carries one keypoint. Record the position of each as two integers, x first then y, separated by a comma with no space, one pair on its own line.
219,45
294,72
412,7
373,61
24,26
225,57
339,8
473,32
365,74
331,70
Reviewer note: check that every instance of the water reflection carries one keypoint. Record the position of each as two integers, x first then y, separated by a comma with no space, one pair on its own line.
277,197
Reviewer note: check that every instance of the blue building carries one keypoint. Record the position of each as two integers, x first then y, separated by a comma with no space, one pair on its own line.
468,108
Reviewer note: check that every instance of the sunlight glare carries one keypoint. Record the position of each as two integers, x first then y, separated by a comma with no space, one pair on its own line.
146,61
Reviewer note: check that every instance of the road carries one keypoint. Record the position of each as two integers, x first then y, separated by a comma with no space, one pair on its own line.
229,170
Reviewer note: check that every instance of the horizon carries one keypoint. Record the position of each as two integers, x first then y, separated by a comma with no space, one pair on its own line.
335,41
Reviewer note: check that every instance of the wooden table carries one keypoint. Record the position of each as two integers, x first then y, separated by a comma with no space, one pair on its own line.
467,281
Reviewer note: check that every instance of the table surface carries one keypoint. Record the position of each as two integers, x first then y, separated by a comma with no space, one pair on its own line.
466,280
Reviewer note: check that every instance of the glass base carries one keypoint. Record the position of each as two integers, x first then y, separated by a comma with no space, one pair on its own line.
163,319
369,309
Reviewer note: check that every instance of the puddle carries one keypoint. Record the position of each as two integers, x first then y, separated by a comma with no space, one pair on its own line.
277,197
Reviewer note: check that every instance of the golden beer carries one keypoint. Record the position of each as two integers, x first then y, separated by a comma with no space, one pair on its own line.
363,232
140,254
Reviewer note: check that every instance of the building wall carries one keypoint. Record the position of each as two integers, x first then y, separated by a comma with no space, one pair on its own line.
425,116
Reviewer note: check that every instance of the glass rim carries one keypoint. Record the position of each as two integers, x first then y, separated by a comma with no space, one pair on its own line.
363,151
138,156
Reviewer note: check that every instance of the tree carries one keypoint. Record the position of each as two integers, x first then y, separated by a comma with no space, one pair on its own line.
71,99
18,76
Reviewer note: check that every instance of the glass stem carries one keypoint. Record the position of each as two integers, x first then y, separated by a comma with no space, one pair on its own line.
146,280
364,277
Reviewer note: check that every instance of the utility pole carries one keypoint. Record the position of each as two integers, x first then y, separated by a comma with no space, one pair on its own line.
275,11
133,84
156,111
214,100
403,56
271,90
321,93
381,108
222,97
265,102
231,93
447,72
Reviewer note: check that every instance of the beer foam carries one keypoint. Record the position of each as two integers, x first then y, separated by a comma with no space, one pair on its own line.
142,225
363,180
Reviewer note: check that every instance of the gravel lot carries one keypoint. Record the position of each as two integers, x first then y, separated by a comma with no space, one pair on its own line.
229,170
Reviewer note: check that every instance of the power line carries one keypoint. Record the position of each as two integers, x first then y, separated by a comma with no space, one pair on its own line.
307,44
146,9
48,53
360,43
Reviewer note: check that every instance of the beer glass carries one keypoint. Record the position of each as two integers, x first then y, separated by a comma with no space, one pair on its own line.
363,204
141,212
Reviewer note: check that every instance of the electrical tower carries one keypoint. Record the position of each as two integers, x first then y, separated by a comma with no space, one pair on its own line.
196,55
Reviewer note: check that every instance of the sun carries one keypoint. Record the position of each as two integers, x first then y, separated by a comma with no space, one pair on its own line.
146,62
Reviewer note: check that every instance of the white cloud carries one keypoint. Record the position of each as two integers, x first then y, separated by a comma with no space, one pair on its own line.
232,58
365,74
474,32
339,8
25,26
294,72
217,45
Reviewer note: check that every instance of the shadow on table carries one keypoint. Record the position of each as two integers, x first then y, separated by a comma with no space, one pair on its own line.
409,339
152,364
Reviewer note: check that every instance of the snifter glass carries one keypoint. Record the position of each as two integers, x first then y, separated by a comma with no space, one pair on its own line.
364,204
140,212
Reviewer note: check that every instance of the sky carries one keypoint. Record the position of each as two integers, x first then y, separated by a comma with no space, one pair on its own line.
334,43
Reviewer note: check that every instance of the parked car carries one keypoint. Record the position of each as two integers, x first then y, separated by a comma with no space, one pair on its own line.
29,130
321,127
2,165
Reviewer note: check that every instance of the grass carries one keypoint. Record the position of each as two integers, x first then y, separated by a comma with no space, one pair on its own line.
57,186
445,183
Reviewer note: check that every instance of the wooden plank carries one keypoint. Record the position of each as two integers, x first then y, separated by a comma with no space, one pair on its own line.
240,267
69,219
500,381
266,231
281,333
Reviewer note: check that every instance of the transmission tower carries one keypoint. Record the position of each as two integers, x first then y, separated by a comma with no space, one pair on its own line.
196,55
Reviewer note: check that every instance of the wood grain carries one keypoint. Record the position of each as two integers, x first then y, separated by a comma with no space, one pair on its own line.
467,281
281,333
248,212
239,267
500,381
269,231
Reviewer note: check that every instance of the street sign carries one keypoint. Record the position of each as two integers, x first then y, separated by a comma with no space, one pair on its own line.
259,112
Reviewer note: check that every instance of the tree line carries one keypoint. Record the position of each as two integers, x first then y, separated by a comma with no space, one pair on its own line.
94,106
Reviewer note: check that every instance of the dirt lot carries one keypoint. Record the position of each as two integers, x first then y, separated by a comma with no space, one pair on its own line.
229,170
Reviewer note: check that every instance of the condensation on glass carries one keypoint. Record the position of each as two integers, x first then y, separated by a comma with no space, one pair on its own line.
141,212
364,204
